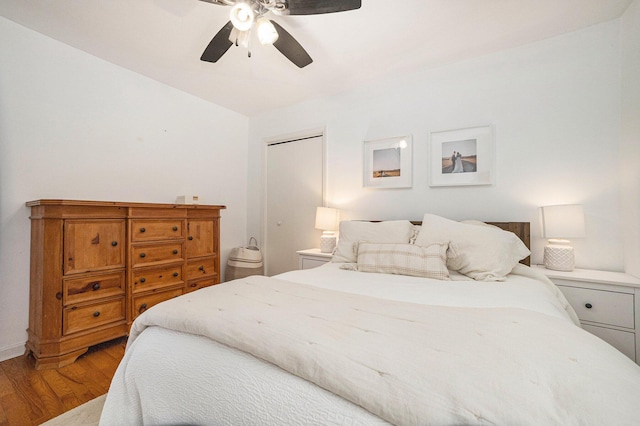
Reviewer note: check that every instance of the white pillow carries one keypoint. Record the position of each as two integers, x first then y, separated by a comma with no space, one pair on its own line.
352,231
404,259
484,253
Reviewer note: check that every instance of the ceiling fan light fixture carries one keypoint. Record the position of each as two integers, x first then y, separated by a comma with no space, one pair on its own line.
240,38
242,16
245,13
267,33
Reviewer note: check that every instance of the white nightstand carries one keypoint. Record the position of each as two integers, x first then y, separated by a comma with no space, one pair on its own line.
607,303
312,258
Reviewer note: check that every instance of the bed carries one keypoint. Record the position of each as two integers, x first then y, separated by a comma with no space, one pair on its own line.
438,323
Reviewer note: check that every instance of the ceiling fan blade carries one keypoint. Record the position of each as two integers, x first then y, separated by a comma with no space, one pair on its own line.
289,47
315,7
219,45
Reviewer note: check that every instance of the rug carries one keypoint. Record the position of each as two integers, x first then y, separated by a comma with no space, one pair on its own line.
87,414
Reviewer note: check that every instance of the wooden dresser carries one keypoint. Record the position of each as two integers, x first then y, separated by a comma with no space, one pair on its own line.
97,265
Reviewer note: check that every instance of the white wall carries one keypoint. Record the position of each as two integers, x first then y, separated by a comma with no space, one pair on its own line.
75,127
555,106
630,136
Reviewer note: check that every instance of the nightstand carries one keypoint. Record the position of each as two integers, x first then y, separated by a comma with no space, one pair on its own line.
312,258
607,303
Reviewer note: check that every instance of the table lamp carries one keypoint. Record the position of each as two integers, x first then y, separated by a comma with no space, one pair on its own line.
559,223
327,221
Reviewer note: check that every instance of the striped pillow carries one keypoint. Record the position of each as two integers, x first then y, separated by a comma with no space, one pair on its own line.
404,259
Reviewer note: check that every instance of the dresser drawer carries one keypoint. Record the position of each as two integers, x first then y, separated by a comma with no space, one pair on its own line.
201,267
148,279
94,287
144,302
153,230
156,253
604,307
86,317
198,284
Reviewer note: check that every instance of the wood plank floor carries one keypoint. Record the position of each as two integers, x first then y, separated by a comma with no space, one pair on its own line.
31,397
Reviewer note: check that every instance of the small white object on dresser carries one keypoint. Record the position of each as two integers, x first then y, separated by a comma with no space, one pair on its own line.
312,258
607,303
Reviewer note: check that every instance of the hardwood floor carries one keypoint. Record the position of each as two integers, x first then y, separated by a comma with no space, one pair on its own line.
31,397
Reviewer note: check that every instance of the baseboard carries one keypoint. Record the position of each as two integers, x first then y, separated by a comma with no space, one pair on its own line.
12,351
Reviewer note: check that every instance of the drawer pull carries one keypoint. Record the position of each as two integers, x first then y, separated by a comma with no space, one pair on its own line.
201,267
143,308
114,243
96,314
143,255
194,284
175,274
143,230
96,286
175,228
588,305
175,252
143,279
190,237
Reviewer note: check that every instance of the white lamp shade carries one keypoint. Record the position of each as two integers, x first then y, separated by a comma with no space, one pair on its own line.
242,16
563,221
327,218
267,33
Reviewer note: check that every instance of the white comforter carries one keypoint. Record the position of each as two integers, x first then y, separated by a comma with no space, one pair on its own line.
537,367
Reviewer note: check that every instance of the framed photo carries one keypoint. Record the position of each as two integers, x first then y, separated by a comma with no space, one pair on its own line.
462,157
387,163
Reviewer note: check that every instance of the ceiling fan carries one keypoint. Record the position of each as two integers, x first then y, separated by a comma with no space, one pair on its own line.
247,14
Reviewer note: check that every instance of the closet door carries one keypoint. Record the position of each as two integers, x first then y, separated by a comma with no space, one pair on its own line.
294,190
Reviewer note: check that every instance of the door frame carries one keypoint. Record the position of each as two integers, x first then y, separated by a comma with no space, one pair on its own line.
284,138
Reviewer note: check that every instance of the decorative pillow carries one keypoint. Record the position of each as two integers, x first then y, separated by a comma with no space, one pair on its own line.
351,231
404,259
416,231
484,253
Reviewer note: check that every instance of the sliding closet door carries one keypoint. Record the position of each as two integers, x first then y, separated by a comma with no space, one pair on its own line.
294,190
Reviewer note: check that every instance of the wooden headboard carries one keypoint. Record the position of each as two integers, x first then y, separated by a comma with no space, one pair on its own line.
521,229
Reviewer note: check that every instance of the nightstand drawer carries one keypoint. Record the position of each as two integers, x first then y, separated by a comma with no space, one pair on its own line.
308,263
312,258
624,341
604,307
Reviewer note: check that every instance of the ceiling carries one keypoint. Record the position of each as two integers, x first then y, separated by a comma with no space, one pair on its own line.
163,40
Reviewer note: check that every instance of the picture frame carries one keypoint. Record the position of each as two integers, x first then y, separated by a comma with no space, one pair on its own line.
462,157
388,162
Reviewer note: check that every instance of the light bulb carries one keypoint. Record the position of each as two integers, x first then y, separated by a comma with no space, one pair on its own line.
267,33
242,16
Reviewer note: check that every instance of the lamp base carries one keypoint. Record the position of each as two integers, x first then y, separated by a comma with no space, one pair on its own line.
559,258
327,243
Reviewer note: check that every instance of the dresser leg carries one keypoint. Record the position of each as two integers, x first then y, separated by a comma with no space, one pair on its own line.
58,361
